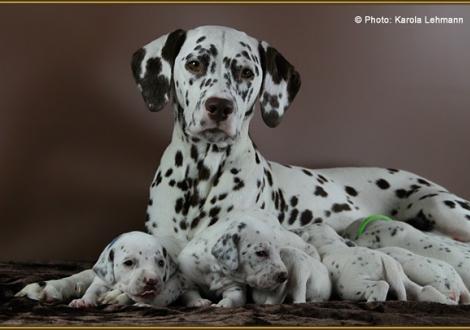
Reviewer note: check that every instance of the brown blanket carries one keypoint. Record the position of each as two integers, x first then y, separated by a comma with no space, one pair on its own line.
15,311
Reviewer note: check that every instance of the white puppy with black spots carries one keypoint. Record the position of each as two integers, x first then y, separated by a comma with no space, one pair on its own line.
213,77
379,234
307,280
241,249
360,273
134,267
430,271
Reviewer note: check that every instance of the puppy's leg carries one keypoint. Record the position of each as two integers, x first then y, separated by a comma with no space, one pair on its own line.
59,290
234,296
464,296
375,290
115,297
277,296
90,298
192,298
298,285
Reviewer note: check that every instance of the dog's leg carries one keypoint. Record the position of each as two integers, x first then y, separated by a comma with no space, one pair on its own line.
431,209
90,298
233,297
192,298
60,290
115,297
277,296
377,291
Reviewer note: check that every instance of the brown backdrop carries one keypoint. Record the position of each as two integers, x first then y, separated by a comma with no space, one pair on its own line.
78,149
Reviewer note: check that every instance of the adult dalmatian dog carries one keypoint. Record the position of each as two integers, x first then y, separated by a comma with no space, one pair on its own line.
213,77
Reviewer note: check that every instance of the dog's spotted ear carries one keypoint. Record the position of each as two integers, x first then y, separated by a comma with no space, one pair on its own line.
104,267
152,67
225,250
281,82
172,266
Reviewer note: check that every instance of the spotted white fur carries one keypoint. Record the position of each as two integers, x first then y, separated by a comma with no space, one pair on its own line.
135,267
242,249
379,234
360,273
430,271
307,280
212,167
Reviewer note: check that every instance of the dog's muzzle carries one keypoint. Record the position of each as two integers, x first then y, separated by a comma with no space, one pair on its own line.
218,109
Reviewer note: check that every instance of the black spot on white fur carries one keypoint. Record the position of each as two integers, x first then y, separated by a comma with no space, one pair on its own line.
382,184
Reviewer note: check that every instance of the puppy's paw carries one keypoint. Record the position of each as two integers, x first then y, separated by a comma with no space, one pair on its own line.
201,302
81,303
41,291
114,297
224,303
142,305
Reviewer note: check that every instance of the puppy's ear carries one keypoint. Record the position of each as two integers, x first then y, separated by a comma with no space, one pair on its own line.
281,82
172,266
104,267
225,250
152,67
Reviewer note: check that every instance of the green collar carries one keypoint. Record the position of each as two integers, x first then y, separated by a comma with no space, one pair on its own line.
369,219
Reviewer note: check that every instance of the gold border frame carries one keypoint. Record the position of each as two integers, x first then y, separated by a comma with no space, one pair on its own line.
244,2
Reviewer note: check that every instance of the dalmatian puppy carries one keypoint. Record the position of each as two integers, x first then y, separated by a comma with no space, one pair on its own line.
430,271
379,234
213,77
140,268
308,280
64,289
360,273
242,249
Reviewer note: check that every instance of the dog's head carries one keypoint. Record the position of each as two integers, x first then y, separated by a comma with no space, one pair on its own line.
214,75
247,250
137,264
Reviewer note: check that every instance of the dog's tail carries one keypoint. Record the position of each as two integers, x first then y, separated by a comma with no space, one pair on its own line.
395,276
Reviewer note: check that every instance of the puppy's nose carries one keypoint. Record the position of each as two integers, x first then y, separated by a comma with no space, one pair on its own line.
282,277
218,109
150,281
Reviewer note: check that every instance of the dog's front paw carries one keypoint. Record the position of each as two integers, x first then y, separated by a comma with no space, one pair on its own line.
115,297
226,302
41,291
200,302
81,303
142,305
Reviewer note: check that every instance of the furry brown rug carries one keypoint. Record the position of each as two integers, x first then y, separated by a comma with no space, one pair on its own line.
16,311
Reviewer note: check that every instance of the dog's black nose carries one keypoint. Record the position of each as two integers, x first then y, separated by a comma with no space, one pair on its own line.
219,109
282,277
150,281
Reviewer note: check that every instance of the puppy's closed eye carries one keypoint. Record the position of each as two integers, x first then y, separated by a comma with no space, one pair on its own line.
128,263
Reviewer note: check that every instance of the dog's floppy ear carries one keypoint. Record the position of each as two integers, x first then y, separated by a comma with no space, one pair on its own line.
225,250
281,82
172,266
104,267
152,67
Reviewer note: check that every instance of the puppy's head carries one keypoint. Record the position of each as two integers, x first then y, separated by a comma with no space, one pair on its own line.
215,75
247,250
137,264
318,234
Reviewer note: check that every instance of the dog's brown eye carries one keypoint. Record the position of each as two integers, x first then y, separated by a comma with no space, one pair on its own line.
161,263
128,263
247,74
262,254
194,66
